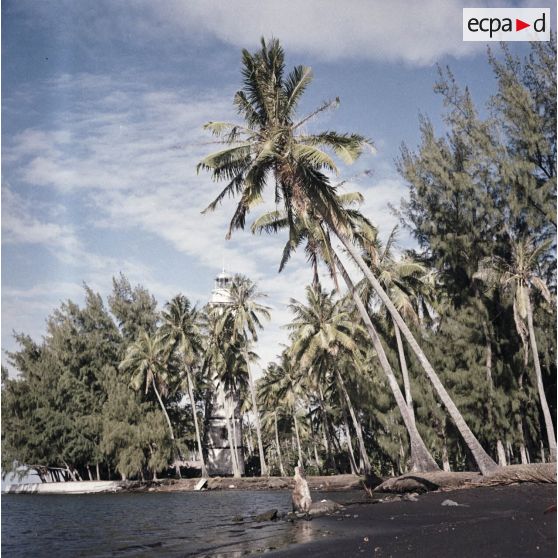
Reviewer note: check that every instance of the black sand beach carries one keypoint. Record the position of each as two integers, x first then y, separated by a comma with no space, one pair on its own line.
506,522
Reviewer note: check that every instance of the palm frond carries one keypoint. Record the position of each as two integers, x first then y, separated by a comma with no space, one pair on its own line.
270,222
350,198
296,84
326,105
309,155
522,331
234,186
542,287
348,147
227,162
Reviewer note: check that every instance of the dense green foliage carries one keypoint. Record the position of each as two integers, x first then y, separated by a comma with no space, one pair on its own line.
128,389
479,195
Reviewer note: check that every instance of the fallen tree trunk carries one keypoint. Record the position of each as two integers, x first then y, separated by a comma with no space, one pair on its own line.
444,480
534,472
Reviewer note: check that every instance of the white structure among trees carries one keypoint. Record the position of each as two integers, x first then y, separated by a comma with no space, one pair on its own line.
219,455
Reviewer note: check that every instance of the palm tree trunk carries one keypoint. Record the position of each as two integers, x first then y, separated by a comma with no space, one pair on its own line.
263,464
234,463
325,441
501,453
354,468
445,457
401,465
162,407
300,460
196,425
235,436
404,372
337,447
485,463
281,469
249,440
327,433
424,460
488,346
509,452
522,448
356,423
316,457
540,387
406,380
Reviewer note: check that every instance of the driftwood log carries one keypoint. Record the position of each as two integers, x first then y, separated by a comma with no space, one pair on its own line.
443,480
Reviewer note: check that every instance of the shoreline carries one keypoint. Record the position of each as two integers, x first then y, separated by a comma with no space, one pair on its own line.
544,473
499,521
334,483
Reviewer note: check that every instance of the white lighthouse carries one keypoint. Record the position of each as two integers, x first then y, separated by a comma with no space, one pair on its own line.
221,296
223,409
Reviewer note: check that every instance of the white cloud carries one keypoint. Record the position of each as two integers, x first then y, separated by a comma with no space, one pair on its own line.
417,33
379,196
128,155
398,30
20,227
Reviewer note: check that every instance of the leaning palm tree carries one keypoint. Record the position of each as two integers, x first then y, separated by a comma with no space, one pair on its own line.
408,284
145,358
403,279
519,277
243,316
318,247
180,331
272,143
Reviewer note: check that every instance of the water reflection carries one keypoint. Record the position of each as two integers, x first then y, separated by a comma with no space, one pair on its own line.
284,534
171,524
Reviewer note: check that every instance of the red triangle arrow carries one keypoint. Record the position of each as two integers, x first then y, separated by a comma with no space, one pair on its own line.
519,25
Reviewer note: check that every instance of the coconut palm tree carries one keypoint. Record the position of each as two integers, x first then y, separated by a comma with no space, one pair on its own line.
272,143
519,277
180,331
409,285
146,358
291,391
321,329
268,394
318,247
243,316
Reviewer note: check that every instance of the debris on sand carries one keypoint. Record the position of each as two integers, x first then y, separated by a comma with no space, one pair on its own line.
453,503
270,515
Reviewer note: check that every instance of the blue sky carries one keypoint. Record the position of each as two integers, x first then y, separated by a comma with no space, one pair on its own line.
102,111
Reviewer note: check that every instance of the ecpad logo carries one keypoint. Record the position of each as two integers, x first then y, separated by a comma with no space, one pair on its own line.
506,24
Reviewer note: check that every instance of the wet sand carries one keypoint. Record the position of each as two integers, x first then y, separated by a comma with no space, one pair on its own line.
506,522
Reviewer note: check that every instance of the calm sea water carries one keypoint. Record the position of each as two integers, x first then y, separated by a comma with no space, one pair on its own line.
152,524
